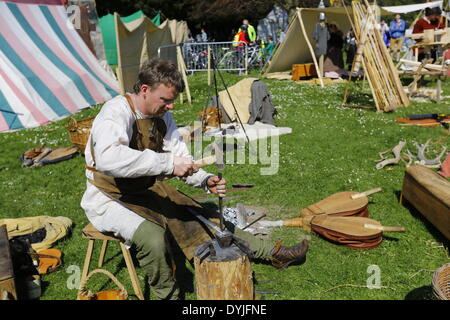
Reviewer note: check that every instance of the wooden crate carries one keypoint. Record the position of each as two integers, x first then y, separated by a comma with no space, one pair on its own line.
303,70
6,268
429,193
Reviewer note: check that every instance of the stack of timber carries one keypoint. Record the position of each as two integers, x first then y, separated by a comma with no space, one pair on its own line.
381,73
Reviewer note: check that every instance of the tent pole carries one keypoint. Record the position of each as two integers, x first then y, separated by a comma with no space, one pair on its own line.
209,65
119,60
310,47
347,86
182,68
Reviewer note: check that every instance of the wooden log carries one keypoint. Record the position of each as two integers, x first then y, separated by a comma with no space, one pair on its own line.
224,280
427,66
7,285
428,36
423,73
422,35
429,193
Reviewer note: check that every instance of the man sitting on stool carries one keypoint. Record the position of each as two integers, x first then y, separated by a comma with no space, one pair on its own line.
134,141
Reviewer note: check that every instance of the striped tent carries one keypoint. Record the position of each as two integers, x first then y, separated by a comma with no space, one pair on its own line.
46,70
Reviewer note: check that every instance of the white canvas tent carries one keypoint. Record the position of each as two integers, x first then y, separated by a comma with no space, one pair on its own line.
298,45
412,7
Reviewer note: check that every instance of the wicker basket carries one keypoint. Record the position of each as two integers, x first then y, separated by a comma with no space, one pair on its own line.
441,282
120,294
79,131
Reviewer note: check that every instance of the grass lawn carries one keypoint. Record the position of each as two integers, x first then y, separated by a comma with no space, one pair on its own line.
329,150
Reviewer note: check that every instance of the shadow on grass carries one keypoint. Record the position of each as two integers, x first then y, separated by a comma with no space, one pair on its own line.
422,293
437,235
358,95
406,81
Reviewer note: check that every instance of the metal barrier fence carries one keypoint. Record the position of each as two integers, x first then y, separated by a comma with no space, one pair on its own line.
227,55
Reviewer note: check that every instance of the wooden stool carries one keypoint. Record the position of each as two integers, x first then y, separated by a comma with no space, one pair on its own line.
89,232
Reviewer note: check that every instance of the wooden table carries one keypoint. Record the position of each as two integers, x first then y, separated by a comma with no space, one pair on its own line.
420,73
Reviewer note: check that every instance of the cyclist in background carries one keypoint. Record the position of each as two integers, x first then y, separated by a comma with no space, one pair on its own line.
241,38
250,31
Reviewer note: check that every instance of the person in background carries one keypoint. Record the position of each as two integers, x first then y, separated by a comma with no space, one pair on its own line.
203,35
384,28
321,36
397,29
281,36
334,62
190,36
241,37
431,20
250,30
350,48
269,48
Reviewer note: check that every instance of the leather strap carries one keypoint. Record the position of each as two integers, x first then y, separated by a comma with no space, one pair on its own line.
133,110
130,103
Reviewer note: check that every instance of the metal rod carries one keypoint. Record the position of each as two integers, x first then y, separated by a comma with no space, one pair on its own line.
222,227
204,220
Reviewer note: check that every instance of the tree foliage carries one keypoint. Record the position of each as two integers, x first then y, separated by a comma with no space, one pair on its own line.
219,17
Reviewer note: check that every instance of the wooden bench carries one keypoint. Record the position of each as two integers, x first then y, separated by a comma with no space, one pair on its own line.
429,193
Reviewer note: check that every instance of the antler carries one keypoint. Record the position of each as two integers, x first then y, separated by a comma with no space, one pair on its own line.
436,162
396,151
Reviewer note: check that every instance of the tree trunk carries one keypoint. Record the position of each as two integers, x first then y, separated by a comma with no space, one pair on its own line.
224,280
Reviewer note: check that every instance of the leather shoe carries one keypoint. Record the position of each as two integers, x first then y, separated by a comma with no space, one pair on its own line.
283,256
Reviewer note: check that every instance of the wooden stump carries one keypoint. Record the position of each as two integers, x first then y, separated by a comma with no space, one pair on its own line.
224,280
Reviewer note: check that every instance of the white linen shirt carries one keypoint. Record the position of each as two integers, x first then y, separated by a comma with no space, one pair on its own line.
112,130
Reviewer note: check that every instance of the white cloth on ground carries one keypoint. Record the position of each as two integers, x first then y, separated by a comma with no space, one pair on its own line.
112,130
255,131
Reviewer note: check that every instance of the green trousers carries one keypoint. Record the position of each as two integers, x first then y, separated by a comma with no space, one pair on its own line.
154,255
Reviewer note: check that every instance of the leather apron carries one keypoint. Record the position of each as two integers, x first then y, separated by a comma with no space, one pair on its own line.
151,198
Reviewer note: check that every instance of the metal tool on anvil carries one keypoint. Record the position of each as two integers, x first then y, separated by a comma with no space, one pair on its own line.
218,150
224,240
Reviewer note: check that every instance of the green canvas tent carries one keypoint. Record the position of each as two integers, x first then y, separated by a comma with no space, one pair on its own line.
109,32
138,41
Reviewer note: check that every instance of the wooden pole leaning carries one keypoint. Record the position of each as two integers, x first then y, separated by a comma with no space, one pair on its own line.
209,65
182,69
302,26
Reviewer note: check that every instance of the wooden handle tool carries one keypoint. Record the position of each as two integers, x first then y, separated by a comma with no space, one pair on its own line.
366,193
384,228
205,161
